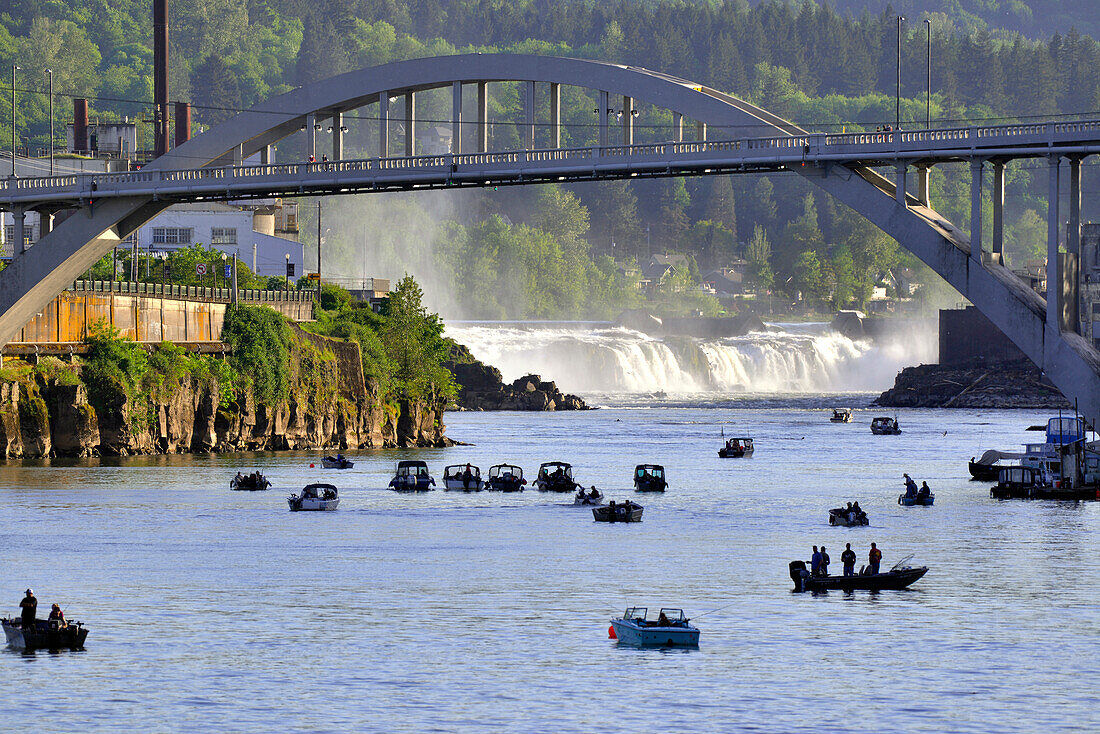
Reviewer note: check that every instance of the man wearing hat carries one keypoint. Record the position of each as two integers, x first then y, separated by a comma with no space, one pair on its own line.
29,606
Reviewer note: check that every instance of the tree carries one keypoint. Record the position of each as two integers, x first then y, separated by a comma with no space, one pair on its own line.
758,252
216,94
413,340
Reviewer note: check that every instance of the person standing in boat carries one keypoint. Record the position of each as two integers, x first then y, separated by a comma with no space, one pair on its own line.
910,486
815,563
875,558
824,562
29,607
848,558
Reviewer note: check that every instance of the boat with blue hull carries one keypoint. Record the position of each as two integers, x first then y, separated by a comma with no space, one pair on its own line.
670,629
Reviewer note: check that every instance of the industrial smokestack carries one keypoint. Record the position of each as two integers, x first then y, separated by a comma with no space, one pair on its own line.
160,77
183,123
80,125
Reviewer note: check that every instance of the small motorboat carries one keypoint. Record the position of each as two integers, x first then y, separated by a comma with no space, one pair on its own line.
899,577
618,512
736,448
555,476
336,462
850,516
412,476
462,478
649,478
670,629
505,478
986,469
314,497
591,498
922,498
884,425
45,635
841,415
254,482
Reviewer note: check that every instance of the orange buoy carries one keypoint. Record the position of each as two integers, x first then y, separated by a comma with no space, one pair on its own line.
311,466
611,633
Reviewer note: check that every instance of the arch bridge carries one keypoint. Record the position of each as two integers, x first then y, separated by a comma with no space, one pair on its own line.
211,166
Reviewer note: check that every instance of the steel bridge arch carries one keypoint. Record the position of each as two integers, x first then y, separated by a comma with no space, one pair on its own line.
35,277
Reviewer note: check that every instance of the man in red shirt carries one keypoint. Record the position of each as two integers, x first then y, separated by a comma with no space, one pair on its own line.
875,557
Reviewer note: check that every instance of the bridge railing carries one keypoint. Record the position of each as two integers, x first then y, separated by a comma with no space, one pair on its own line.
961,138
189,292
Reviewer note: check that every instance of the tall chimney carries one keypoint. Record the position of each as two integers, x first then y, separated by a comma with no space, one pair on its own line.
160,77
183,123
80,125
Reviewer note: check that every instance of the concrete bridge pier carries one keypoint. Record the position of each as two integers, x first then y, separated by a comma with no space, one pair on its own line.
482,117
456,118
998,196
924,184
1053,196
977,169
384,124
555,114
410,124
19,230
900,175
337,128
604,111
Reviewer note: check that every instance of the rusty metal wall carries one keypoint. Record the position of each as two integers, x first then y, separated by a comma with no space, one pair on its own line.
143,318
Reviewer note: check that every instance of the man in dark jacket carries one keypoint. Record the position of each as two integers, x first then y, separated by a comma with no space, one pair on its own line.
29,605
848,558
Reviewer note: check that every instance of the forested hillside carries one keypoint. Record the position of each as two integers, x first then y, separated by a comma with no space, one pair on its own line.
822,68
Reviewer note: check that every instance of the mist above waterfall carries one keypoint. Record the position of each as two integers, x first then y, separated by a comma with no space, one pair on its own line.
788,358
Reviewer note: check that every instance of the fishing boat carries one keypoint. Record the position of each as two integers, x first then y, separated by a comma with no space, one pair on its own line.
649,478
45,635
850,516
1032,483
336,462
412,476
462,478
670,629
922,499
555,476
506,478
314,497
884,425
841,415
736,448
621,512
254,482
898,577
591,498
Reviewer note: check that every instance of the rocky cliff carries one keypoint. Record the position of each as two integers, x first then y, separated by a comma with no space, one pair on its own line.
46,411
998,385
481,387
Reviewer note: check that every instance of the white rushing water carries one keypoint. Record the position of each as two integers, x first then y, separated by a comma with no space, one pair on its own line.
788,358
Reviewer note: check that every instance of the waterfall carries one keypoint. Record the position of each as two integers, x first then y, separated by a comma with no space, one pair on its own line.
787,358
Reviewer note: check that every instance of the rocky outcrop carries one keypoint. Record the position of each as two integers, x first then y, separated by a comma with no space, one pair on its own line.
481,387
999,385
332,405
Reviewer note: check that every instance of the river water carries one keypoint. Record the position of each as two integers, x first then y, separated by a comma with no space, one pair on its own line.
217,610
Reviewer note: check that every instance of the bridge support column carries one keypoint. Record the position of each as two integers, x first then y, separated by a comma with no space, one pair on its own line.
265,156
701,131
410,124
924,185
628,121
45,224
1053,276
482,117
528,115
555,114
976,170
604,112
998,244
337,136
19,231
384,124
677,127
901,172
456,118
1073,237
311,136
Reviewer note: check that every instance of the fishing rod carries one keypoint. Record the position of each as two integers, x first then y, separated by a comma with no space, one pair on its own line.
712,611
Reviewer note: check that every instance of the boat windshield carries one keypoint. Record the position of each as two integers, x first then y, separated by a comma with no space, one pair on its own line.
656,472
674,615
505,470
456,471
635,613
556,470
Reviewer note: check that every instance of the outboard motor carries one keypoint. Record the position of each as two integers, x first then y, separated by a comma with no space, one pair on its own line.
799,574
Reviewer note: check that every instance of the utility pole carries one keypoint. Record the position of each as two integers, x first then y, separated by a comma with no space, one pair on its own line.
928,80
897,97
50,72
14,68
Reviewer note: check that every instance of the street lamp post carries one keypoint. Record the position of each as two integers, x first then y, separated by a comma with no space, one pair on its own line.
287,274
224,279
14,68
50,72
897,97
928,78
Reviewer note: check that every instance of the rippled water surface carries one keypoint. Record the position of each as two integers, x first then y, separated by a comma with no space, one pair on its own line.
219,610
